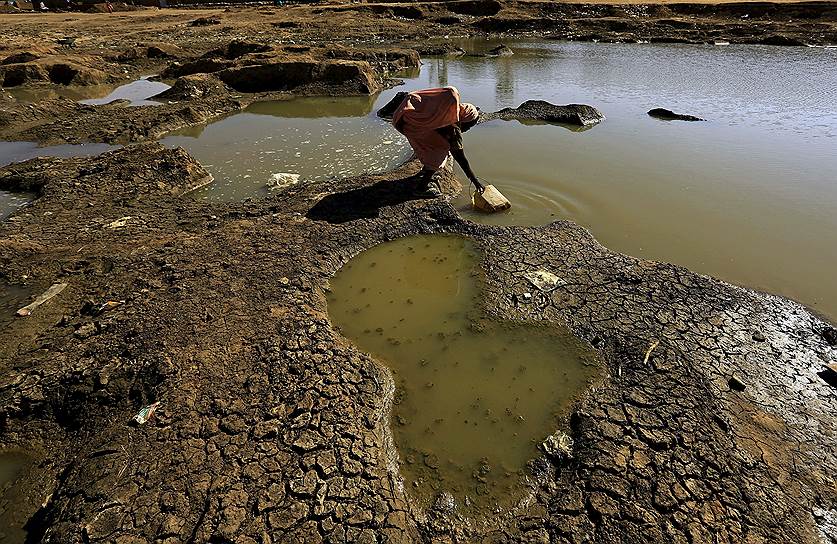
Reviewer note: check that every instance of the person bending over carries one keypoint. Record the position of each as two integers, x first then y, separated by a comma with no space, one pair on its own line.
433,121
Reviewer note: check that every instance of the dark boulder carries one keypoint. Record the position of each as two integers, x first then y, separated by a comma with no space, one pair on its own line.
540,110
501,50
668,115
779,39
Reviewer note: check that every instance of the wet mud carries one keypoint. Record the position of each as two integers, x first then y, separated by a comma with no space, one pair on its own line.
712,421
271,423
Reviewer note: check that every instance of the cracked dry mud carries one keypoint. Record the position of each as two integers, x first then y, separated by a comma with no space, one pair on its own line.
273,428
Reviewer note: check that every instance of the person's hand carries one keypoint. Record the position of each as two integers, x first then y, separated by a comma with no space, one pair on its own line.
480,187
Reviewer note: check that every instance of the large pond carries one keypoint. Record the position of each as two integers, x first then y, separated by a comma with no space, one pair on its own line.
474,397
747,196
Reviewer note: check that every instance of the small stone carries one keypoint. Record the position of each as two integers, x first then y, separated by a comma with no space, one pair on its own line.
758,337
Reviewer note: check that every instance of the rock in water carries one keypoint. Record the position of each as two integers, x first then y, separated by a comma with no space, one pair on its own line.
540,110
282,180
668,115
501,51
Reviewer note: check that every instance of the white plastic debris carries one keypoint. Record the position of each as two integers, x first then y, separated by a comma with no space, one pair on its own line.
543,279
146,413
281,180
119,223
558,445
41,299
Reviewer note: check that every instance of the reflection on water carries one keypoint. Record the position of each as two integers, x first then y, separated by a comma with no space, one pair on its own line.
137,92
11,202
473,398
315,138
20,151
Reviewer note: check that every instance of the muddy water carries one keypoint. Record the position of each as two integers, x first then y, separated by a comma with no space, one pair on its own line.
747,196
314,138
137,92
11,202
473,397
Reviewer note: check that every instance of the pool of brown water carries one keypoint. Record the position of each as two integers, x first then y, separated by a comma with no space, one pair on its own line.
473,397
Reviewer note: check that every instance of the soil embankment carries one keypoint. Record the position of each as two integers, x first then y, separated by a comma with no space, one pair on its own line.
713,421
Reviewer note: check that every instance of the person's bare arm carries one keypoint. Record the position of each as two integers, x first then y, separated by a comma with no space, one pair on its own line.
454,136
462,160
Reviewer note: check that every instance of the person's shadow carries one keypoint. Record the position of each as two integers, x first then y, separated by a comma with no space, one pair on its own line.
363,202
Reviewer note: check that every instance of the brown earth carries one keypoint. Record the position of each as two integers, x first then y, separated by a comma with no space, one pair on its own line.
274,428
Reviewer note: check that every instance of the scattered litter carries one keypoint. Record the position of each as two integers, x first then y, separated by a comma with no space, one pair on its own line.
282,180
651,348
119,223
146,413
109,305
41,299
558,445
543,279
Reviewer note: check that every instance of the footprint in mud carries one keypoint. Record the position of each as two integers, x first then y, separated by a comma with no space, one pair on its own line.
474,397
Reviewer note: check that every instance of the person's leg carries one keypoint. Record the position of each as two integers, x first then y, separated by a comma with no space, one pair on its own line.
427,183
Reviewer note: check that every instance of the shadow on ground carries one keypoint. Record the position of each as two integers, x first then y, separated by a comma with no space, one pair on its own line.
363,202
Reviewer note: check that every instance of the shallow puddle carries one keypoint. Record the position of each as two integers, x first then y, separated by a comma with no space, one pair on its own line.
11,202
314,138
474,397
137,92
12,298
20,151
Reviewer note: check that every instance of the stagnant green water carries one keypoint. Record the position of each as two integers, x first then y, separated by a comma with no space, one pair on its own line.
474,397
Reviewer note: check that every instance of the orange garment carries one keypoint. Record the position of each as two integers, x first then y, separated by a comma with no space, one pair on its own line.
422,112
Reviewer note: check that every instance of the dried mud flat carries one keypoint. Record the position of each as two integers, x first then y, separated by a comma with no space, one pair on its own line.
273,428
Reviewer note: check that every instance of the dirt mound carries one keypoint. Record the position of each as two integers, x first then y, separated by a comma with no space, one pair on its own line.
443,50
61,71
237,49
480,8
540,110
151,51
197,66
387,59
285,75
192,87
205,21
20,58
